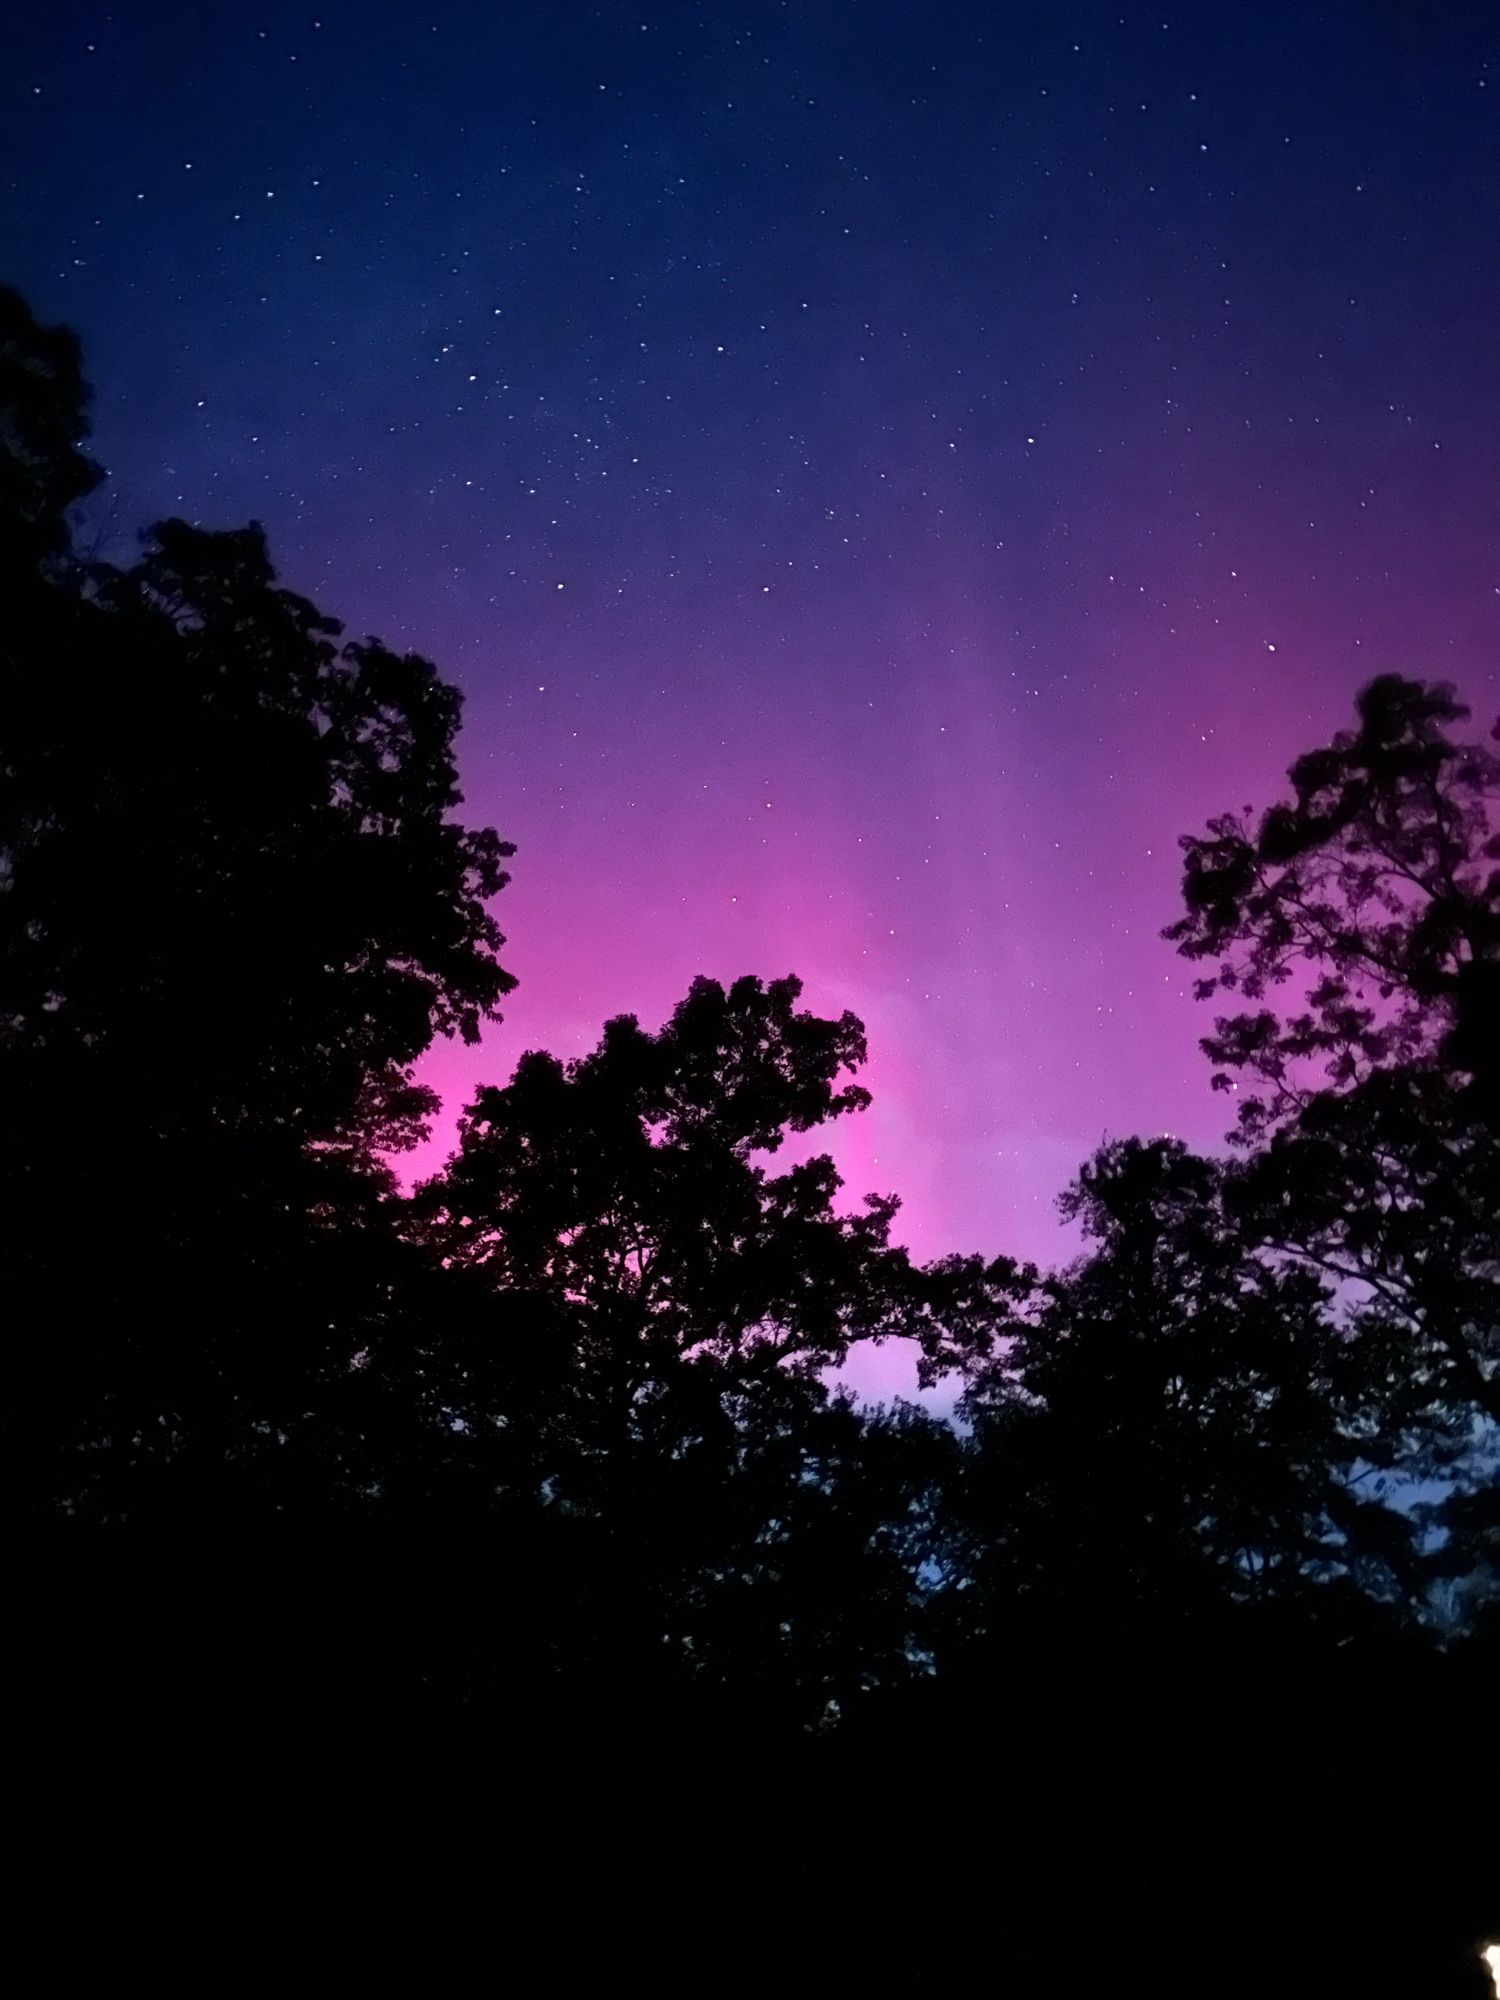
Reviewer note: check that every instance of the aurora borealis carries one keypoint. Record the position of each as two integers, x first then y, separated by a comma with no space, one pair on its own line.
878,473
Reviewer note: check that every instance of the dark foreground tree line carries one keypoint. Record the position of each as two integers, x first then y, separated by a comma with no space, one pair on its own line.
497,1553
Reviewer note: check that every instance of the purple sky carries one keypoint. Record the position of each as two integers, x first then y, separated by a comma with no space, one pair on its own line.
878,473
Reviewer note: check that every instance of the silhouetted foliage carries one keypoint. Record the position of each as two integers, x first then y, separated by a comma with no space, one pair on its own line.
682,1307
236,908
1369,1114
516,1530
1162,1435
1373,893
43,471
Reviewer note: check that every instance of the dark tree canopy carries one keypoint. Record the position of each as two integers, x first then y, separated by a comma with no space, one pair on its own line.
43,410
1369,1113
1374,896
626,1188
517,1524
1180,1405
237,907
684,1306
230,850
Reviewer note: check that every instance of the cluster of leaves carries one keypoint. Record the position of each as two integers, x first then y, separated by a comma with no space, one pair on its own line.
1374,893
1370,1107
555,1433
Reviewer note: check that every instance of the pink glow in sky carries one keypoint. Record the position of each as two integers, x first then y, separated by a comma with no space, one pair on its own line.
879,473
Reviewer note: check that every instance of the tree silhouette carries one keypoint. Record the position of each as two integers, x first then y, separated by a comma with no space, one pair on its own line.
1161,1436
1369,1116
683,1305
237,907
1373,892
504,1512
43,469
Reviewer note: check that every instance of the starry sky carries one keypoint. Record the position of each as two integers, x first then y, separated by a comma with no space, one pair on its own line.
879,472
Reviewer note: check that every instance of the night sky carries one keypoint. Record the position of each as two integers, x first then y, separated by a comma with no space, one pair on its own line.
878,472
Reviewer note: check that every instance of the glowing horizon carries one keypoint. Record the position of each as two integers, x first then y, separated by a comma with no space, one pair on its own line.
877,482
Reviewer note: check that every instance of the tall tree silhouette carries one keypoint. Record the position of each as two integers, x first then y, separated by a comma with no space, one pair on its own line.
1369,907
682,1305
1373,893
1158,1440
237,907
44,470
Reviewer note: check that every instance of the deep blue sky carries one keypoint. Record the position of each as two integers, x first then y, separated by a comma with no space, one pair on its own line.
878,472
